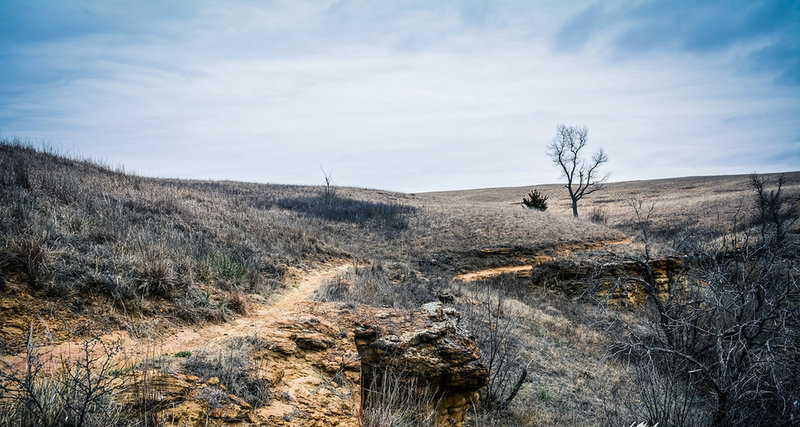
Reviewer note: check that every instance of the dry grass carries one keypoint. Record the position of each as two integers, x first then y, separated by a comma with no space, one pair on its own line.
76,229
129,251
377,225
705,201
395,400
562,344
393,285
72,229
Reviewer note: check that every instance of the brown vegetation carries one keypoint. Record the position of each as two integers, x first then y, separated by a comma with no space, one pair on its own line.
86,250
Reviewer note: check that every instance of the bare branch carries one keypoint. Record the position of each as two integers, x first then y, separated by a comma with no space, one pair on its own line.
582,178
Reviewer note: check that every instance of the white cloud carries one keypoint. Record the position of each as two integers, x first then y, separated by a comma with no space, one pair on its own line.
412,100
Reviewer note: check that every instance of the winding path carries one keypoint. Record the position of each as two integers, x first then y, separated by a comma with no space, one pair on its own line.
207,337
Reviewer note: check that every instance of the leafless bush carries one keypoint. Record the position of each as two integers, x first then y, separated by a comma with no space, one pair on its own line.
732,330
774,213
496,330
78,392
662,391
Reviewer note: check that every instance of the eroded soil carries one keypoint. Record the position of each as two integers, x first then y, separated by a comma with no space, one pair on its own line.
531,261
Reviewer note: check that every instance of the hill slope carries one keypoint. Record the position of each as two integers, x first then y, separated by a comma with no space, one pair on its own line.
99,248
86,250
678,202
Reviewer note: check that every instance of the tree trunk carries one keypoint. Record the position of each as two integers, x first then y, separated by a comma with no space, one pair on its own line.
574,208
723,410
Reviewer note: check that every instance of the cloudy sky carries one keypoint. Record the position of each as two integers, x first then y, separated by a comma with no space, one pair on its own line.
404,95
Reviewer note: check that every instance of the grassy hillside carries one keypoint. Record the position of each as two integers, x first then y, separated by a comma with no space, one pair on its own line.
95,246
85,248
679,202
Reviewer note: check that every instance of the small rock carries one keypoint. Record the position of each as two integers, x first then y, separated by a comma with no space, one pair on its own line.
312,342
445,297
215,413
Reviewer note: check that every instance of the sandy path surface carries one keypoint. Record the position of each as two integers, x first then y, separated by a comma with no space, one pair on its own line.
210,337
536,260
207,337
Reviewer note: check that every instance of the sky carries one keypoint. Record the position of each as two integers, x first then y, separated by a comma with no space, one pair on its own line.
409,96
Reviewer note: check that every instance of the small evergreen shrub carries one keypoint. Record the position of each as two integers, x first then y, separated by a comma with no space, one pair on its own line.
535,200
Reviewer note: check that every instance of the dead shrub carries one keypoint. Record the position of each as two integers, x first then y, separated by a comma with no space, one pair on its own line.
496,327
235,370
79,392
728,337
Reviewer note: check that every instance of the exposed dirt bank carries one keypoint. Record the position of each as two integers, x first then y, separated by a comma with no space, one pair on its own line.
531,262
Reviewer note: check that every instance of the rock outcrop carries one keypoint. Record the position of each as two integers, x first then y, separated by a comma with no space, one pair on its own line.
314,369
432,352
316,360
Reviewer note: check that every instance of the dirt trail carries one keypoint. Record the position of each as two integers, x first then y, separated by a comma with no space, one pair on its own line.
210,337
207,337
562,251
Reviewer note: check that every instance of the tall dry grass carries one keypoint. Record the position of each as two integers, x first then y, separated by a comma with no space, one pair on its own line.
75,229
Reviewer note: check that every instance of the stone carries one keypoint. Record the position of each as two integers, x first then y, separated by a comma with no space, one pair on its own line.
312,341
431,350
316,371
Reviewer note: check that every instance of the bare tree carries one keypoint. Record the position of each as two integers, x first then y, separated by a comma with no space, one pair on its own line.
726,337
775,215
329,192
583,178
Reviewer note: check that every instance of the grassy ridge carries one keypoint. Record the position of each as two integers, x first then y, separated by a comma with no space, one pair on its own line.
72,229
79,232
699,201
80,241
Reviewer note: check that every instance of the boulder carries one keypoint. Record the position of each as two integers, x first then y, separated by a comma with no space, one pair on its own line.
431,352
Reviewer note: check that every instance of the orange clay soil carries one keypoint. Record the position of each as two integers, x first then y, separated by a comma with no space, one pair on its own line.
562,251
